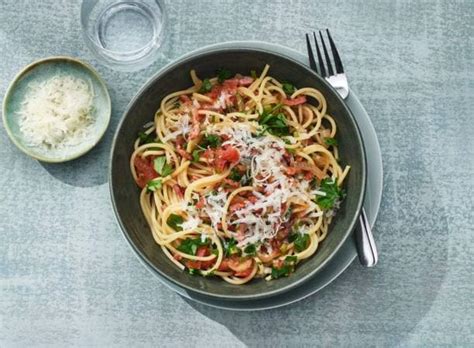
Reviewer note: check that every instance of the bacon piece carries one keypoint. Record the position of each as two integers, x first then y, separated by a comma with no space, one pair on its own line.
296,101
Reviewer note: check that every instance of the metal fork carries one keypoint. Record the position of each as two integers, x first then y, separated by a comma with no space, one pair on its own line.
365,243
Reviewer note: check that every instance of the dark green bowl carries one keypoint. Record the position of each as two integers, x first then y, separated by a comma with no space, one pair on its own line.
174,77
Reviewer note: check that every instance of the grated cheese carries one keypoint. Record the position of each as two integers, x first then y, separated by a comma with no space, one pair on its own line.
57,112
264,156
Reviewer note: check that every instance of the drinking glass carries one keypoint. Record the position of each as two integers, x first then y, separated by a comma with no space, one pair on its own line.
124,34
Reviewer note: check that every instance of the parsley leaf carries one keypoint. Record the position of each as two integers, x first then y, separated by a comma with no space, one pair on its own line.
196,155
153,185
330,141
275,124
250,249
301,241
161,167
206,86
253,73
230,247
223,74
332,191
288,88
281,272
174,221
285,270
211,140
235,175
194,271
145,138
190,245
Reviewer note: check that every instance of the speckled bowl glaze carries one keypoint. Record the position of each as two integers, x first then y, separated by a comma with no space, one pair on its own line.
125,193
39,71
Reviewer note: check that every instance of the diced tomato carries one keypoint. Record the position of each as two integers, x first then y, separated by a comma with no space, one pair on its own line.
204,251
296,101
232,183
245,81
244,273
185,99
179,148
224,266
252,199
179,190
225,155
236,206
193,264
291,171
305,166
278,263
195,130
238,264
283,233
201,203
196,121
215,92
230,86
241,231
308,176
145,170
177,257
182,152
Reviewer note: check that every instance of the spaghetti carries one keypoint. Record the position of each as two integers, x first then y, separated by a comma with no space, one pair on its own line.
239,176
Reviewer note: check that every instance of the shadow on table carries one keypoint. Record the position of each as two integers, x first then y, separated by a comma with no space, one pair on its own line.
382,305
86,171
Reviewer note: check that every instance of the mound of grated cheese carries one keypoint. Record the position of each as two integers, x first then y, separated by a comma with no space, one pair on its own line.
57,113
264,156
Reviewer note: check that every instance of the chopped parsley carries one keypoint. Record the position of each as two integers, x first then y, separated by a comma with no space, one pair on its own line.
287,268
145,138
210,140
330,141
274,123
250,249
153,185
300,241
288,88
206,86
223,74
333,193
194,271
235,175
230,247
253,73
190,245
161,167
174,221
196,155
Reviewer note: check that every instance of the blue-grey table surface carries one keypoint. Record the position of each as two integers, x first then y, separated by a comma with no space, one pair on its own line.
67,277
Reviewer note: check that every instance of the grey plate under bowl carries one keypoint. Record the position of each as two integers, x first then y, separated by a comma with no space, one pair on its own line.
125,194
347,252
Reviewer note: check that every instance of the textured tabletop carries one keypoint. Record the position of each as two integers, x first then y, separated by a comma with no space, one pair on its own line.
68,278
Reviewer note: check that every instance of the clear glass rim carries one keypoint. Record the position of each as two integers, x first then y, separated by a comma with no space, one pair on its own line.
149,45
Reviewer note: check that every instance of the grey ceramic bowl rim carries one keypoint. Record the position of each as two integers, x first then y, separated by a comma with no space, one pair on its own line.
143,259
31,66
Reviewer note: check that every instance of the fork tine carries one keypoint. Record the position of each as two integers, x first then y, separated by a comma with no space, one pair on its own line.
328,61
312,62
322,71
337,59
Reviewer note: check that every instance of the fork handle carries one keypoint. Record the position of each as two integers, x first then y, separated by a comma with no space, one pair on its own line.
365,243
